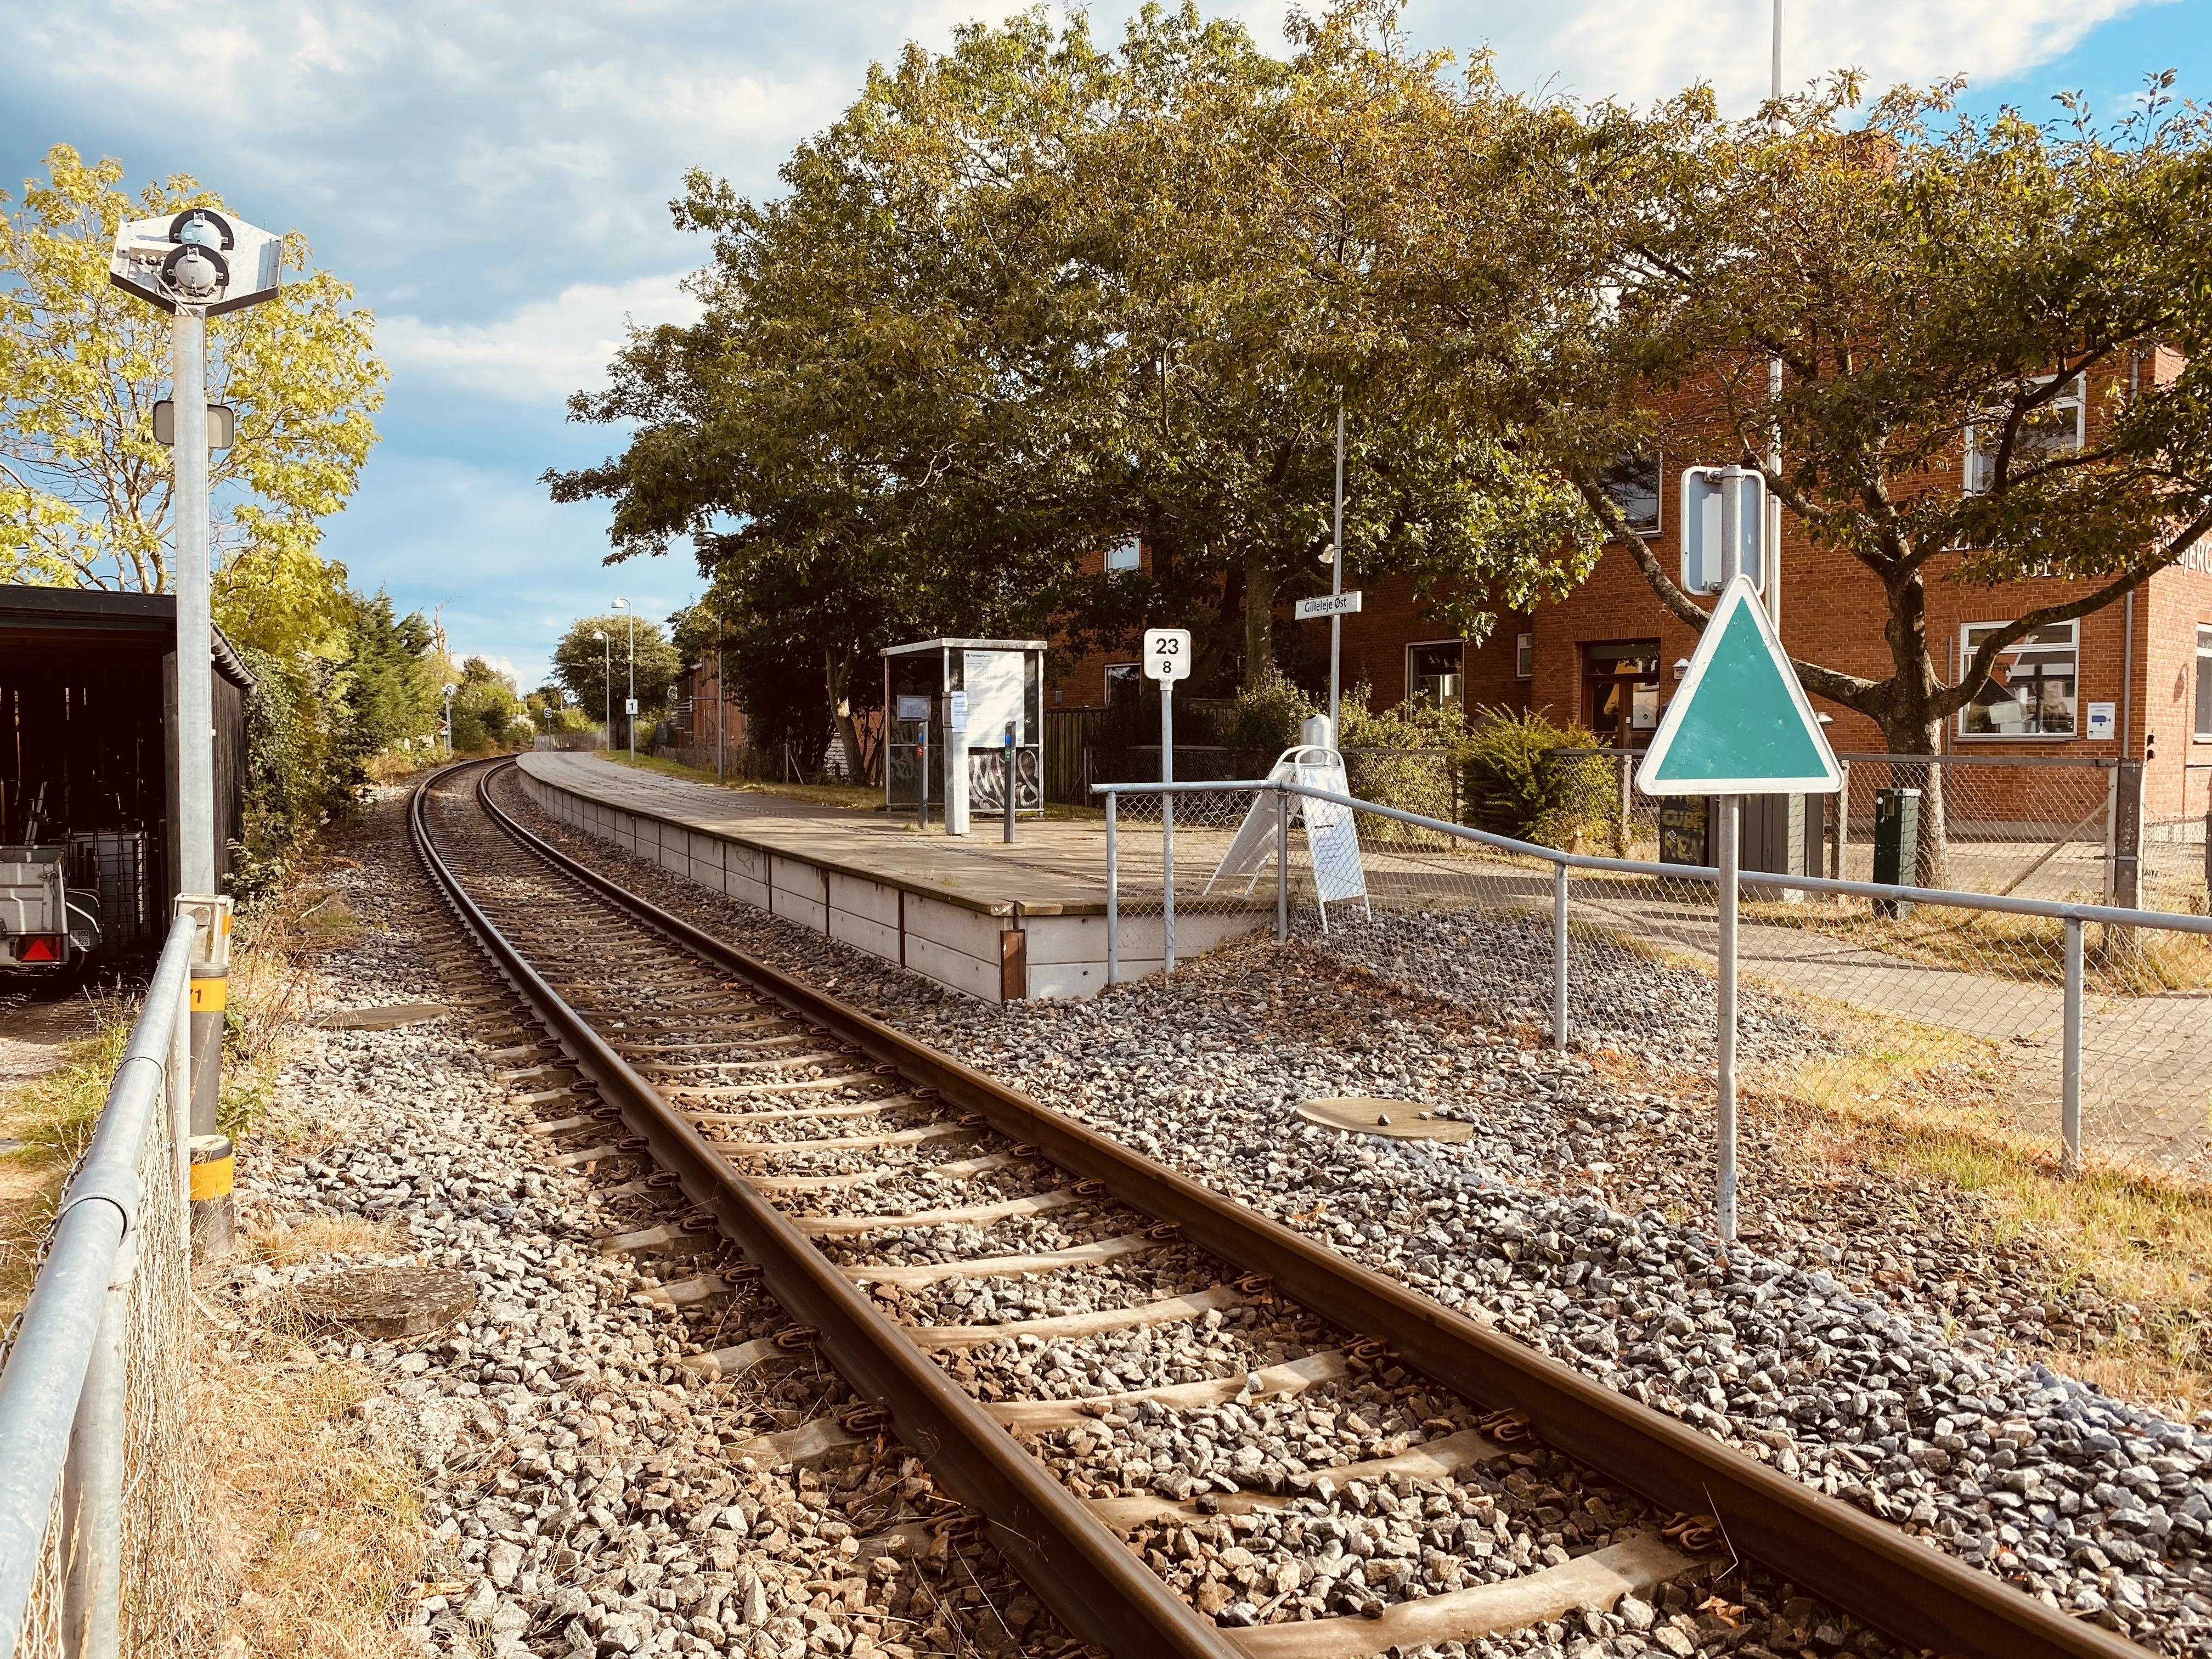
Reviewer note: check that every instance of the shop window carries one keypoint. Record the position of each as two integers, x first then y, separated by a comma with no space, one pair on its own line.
1524,656
1633,483
1128,555
2204,681
1620,692
2031,693
2056,427
1123,682
1433,672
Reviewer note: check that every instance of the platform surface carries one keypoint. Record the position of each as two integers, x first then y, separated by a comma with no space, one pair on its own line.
1053,868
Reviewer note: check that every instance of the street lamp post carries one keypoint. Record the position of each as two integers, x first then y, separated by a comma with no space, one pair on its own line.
194,264
630,704
449,722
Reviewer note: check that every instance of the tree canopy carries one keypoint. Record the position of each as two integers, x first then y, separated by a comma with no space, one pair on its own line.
580,663
85,490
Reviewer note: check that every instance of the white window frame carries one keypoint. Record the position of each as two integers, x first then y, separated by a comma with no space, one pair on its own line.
1106,680
1524,656
1127,554
1659,495
1411,646
1970,475
1967,648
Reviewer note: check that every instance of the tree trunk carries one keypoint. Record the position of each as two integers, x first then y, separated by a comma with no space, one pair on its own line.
837,677
1259,619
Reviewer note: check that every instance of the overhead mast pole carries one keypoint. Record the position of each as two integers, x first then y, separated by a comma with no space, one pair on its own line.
1771,553
1336,579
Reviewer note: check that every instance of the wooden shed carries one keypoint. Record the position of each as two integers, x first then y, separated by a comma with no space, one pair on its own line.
87,708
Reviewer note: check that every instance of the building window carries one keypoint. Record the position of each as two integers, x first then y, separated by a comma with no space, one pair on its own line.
2031,693
1620,690
2058,427
1122,682
1633,483
1433,672
1524,656
2204,682
1128,555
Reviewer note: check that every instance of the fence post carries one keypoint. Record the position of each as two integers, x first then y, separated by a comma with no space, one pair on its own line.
1113,895
1559,956
2070,1108
1842,835
1621,844
92,1484
1282,863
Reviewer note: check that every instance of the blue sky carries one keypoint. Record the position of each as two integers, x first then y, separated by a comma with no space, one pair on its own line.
493,178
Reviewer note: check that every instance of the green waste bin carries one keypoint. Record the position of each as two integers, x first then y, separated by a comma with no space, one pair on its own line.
1896,845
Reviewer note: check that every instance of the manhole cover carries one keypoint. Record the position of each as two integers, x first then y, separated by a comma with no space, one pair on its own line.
378,1019
1400,1119
395,1301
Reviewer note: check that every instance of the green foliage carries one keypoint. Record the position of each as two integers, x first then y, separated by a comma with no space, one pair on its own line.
1515,785
581,663
487,713
86,493
1264,721
391,691
1416,723
299,768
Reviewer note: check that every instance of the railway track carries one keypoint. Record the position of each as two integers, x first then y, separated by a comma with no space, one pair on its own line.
1186,1397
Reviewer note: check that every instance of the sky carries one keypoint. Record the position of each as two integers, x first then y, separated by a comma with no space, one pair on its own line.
493,179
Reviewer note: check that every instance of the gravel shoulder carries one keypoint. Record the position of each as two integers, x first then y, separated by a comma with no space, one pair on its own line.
1869,1337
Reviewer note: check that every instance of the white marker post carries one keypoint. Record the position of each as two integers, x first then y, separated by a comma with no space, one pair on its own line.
1167,660
1740,725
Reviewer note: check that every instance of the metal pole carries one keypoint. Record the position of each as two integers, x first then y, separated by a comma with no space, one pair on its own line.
721,702
1731,806
1559,956
1007,834
1771,538
1282,863
1113,895
1843,837
92,1484
628,718
922,789
195,754
607,684
1167,824
1336,584
2070,1111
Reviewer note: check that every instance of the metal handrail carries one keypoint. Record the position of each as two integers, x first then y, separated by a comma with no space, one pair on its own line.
2074,917
61,1394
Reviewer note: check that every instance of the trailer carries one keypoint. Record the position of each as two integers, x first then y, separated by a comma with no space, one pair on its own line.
87,785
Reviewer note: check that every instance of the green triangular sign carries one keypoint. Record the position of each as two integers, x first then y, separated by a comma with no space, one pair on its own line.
1741,724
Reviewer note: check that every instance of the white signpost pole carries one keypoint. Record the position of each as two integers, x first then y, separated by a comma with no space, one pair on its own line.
1167,660
1740,725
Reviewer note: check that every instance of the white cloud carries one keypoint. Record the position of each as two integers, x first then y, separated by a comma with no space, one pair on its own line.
545,350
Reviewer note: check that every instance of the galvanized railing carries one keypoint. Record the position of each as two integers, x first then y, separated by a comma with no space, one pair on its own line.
75,1422
2118,923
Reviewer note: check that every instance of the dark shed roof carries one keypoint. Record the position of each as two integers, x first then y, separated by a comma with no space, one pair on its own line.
54,614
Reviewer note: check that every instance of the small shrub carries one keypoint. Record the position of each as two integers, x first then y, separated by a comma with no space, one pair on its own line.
1264,721
1516,786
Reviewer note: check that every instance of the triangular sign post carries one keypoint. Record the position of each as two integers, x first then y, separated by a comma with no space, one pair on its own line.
1741,724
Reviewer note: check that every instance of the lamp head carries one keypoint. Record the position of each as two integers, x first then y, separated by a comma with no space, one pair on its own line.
622,605
599,633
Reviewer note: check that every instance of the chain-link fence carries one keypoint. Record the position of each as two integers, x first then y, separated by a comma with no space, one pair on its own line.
2019,993
100,1547
2073,831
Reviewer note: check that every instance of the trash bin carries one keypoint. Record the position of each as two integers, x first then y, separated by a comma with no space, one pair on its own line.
1896,845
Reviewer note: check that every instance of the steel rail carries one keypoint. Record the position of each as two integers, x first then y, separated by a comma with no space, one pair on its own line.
1891,1580
1093,1583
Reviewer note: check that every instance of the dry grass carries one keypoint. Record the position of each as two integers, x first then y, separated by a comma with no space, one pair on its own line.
320,1541
321,1235
52,1116
2023,950
1913,1102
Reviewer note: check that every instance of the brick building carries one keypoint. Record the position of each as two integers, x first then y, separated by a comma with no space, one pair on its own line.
2132,680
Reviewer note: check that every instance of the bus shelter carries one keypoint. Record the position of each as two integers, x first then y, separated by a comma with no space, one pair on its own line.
948,705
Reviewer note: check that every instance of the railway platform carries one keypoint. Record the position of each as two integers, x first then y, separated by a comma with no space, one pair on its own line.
992,921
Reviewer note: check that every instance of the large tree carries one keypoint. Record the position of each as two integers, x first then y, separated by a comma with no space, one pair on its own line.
598,670
85,490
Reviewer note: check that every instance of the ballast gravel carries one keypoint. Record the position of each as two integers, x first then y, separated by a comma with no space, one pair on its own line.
588,1496
1563,1220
